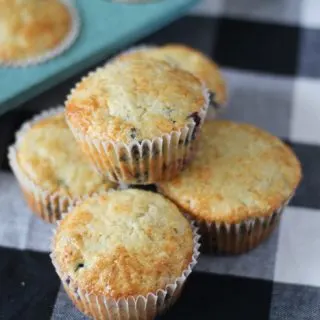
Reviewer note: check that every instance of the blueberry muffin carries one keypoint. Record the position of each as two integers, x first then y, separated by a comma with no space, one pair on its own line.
32,28
124,255
237,186
138,120
50,167
190,60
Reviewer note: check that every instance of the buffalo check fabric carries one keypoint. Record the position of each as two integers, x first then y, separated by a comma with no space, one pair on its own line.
269,52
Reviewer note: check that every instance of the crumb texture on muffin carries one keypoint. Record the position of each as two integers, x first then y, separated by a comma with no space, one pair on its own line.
49,156
239,172
134,100
29,28
124,243
188,59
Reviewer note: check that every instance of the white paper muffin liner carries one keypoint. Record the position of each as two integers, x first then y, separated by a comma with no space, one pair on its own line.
65,43
214,107
133,307
236,238
145,161
47,205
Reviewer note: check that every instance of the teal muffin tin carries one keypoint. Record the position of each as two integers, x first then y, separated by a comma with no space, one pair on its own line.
105,28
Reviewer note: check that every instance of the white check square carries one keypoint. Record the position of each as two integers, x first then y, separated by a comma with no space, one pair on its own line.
306,111
298,258
310,13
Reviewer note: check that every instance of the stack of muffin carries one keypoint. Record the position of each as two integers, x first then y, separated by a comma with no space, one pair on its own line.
139,120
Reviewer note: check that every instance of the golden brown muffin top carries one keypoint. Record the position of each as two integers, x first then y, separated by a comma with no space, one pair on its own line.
122,244
147,98
239,172
50,157
29,28
188,59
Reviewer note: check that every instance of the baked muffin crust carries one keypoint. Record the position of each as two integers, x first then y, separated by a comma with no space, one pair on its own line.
188,59
239,172
29,28
124,243
134,100
50,157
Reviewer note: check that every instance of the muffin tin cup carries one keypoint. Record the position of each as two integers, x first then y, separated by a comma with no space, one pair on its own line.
46,205
214,107
145,161
133,307
236,238
65,43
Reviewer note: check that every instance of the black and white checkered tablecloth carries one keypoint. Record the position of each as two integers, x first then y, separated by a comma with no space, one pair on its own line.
269,51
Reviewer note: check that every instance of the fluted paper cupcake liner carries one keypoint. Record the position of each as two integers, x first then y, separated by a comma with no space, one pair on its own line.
146,161
47,205
214,107
65,43
134,307
236,238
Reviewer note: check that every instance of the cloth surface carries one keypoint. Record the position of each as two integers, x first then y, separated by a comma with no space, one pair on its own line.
269,52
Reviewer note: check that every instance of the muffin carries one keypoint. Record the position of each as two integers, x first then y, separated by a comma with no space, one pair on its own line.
34,30
124,255
138,120
50,167
237,186
190,60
